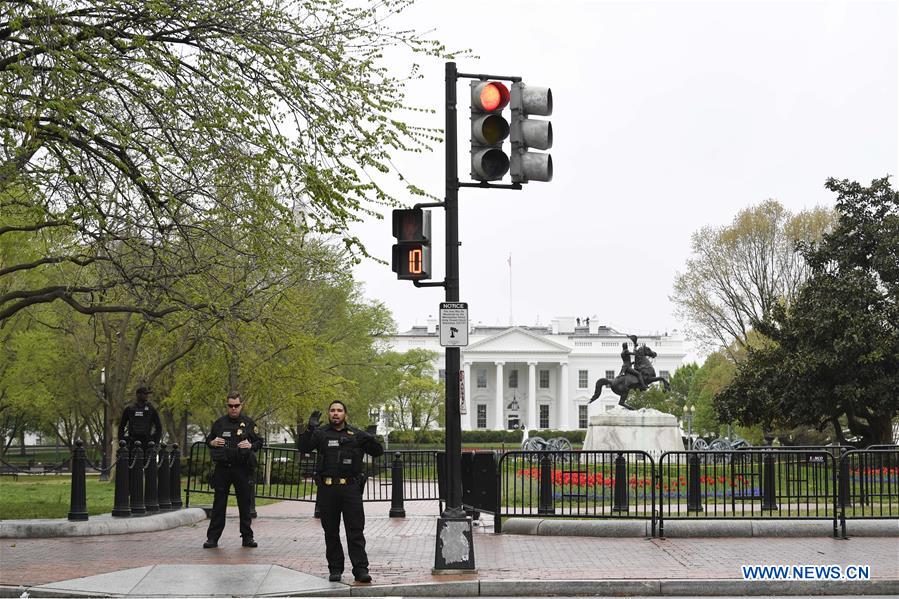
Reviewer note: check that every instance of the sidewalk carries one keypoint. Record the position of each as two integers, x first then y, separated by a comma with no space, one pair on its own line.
401,551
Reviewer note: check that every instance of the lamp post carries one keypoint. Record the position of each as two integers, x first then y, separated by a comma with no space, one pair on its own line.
104,438
689,411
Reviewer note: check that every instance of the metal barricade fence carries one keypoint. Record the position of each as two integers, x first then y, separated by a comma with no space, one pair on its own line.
869,485
747,484
575,484
287,474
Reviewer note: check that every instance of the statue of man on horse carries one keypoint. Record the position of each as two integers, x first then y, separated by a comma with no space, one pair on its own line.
637,375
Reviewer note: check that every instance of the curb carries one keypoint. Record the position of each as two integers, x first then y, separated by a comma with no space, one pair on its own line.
543,588
699,528
98,525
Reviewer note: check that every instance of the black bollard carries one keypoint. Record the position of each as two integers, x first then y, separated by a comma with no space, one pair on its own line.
694,490
397,495
137,480
769,501
175,478
545,502
162,476
619,500
151,502
317,513
78,503
122,507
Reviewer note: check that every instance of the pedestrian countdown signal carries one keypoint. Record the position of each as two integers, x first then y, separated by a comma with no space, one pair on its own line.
411,259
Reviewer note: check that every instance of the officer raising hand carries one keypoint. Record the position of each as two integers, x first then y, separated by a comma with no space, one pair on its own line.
338,472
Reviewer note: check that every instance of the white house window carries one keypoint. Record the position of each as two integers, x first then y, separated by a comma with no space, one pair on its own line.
582,379
482,416
513,379
544,416
482,378
610,374
664,374
544,379
442,374
582,416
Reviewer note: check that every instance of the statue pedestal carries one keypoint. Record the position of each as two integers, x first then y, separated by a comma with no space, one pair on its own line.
646,430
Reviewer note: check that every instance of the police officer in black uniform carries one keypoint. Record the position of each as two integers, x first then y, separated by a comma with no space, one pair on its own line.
234,441
141,420
338,470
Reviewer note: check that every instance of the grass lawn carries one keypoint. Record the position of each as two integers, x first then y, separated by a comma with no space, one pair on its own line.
49,496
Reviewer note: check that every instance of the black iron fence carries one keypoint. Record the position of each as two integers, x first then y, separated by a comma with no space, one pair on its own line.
748,483
816,483
575,484
287,474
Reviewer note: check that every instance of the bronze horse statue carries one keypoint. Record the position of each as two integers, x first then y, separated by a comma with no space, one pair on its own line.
622,384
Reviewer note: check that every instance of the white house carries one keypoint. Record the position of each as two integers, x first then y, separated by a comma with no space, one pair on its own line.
538,376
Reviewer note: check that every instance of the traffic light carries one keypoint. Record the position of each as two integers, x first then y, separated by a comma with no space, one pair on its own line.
488,130
412,254
530,133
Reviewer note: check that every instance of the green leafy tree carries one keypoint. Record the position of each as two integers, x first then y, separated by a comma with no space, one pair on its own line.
834,359
740,272
155,142
672,401
415,398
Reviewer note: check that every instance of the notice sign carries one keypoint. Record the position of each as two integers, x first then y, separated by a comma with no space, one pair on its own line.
453,324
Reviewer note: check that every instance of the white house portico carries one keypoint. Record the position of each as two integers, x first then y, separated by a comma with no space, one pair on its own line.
538,377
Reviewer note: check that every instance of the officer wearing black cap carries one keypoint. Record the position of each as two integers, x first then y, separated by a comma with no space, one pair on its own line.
142,421
338,470
234,441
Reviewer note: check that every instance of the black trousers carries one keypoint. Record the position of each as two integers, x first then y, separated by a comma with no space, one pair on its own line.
223,478
334,500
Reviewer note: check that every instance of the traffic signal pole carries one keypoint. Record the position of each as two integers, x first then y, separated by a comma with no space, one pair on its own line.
455,543
454,547
453,359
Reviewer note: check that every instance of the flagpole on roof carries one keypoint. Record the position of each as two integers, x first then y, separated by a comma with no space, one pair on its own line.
511,320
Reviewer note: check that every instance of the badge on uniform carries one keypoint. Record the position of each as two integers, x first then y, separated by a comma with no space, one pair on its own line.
226,433
141,413
333,442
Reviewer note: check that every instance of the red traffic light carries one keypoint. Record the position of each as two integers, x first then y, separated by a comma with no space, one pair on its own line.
490,96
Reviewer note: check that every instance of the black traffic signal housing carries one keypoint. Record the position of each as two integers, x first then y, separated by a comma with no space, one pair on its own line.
530,134
488,130
411,260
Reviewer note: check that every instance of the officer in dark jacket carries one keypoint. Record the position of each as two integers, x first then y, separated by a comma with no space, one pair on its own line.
141,420
234,441
338,470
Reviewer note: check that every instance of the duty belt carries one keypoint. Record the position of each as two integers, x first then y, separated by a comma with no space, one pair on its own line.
333,480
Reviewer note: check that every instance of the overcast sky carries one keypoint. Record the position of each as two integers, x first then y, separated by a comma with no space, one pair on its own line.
669,116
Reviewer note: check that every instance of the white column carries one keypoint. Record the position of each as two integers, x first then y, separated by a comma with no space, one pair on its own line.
564,401
532,396
498,404
466,418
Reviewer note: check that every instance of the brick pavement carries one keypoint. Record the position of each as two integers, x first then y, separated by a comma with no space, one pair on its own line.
402,551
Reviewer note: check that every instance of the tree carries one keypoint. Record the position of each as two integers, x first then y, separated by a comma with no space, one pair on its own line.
414,396
153,142
672,401
834,356
741,271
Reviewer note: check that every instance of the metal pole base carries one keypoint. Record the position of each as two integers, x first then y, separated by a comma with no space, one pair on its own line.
455,549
